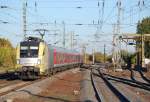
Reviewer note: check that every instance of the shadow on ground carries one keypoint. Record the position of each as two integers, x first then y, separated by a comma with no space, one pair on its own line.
49,98
141,72
132,82
8,76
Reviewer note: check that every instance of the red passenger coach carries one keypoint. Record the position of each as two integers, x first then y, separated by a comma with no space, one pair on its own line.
66,58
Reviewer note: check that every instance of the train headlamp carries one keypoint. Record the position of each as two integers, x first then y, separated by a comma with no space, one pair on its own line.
18,61
39,61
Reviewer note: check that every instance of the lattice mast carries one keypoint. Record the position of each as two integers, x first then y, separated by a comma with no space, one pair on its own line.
24,18
116,42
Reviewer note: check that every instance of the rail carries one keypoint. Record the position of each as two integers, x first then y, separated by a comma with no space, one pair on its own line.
120,96
98,95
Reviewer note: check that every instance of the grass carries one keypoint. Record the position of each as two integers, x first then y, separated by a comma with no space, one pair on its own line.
4,69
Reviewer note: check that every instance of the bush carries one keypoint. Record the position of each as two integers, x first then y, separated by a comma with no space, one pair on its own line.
7,55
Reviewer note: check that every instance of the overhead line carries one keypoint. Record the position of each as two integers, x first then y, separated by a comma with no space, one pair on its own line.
67,0
11,16
135,13
78,7
109,14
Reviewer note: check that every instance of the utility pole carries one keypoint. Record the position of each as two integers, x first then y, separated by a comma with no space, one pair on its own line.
119,14
142,56
141,3
64,34
114,46
84,53
142,51
84,47
24,18
104,53
101,14
117,42
72,40
100,17
93,56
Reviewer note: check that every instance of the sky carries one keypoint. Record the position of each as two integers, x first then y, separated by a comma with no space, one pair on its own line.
80,18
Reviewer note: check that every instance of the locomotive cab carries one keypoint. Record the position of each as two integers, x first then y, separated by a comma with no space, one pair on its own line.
28,58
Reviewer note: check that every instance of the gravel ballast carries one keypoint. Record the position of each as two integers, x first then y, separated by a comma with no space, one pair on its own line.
62,87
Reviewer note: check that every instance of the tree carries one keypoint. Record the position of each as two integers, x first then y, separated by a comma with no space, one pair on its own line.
99,57
109,58
143,27
128,58
7,55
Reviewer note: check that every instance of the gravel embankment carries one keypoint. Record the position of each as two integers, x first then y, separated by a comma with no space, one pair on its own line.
62,87
87,91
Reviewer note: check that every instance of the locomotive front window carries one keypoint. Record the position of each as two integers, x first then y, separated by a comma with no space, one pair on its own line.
29,51
33,51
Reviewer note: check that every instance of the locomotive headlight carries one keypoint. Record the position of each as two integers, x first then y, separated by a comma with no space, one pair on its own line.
39,61
18,61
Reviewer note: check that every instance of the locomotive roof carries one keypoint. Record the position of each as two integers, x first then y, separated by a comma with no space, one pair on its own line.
60,49
31,41
34,41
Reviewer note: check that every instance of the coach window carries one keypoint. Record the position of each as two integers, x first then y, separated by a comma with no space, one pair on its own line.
57,58
60,58
63,58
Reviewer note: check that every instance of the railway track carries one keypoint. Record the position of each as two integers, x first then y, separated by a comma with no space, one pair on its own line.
116,94
120,90
13,86
133,83
132,89
36,89
98,95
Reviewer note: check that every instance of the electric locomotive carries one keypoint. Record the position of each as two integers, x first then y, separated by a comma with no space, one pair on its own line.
35,58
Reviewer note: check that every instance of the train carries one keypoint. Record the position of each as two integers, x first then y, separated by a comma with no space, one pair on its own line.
35,58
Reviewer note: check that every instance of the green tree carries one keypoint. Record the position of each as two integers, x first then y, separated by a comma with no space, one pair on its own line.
143,27
99,57
128,58
109,58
